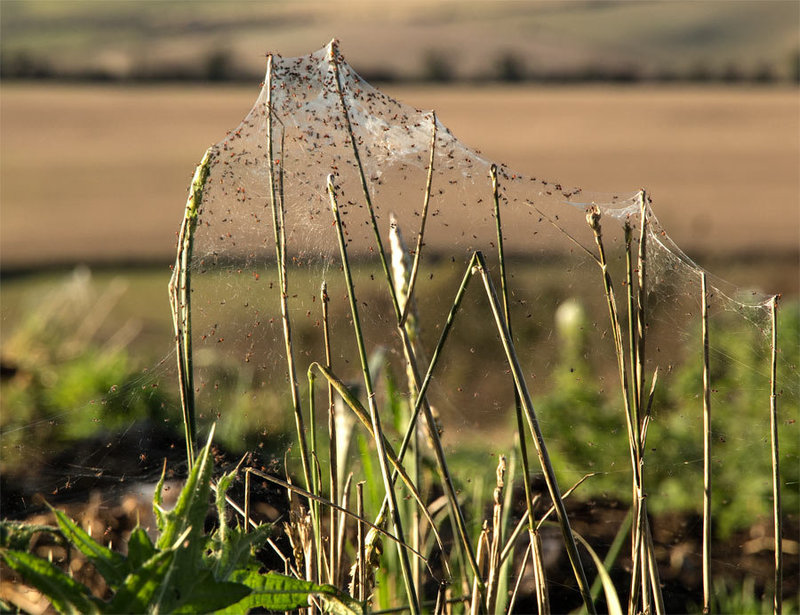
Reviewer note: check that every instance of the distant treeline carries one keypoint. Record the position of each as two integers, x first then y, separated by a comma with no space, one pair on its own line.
219,65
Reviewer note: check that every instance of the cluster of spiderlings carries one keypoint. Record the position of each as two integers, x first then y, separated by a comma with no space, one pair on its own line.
326,120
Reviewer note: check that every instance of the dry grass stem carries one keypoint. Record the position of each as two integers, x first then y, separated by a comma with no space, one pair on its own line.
483,549
341,526
777,603
332,453
497,536
706,450
279,232
523,447
247,500
641,586
361,559
539,575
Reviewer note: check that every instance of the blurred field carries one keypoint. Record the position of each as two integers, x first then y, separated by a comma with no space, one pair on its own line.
407,39
99,174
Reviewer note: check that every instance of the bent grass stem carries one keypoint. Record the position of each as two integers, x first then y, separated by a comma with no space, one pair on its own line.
373,411
358,409
538,437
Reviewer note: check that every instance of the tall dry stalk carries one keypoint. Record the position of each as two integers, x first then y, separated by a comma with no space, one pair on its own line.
644,578
482,551
278,213
706,452
634,444
333,567
180,296
492,577
361,556
539,575
777,602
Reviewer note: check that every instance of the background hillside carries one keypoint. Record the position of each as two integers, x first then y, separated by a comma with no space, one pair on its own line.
433,40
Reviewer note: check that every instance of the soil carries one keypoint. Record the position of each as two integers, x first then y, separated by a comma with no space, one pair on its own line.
110,504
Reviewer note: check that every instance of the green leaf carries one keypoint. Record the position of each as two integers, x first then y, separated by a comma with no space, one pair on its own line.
208,595
277,592
158,501
138,592
183,530
340,605
140,548
64,592
109,564
236,552
192,505
17,534
612,600
223,485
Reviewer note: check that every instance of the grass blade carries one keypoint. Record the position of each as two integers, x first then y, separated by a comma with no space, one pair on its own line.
612,599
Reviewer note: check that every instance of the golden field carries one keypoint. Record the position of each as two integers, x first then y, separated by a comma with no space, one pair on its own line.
99,173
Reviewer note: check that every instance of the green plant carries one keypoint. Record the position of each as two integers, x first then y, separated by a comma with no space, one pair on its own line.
184,571
744,599
72,370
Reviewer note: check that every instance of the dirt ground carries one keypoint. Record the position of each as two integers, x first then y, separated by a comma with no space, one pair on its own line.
99,173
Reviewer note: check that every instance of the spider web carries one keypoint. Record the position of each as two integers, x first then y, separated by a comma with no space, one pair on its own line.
325,120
